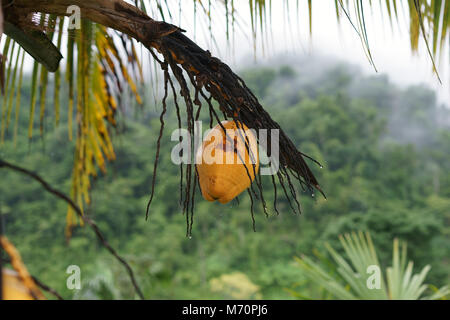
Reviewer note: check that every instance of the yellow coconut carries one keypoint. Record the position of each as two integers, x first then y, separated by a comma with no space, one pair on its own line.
13,287
227,162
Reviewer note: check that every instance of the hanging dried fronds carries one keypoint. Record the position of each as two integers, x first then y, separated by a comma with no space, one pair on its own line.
98,90
78,211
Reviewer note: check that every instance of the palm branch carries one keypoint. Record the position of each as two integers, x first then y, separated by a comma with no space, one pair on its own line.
101,62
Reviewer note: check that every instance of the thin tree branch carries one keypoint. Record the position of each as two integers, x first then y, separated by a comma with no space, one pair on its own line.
85,218
115,14
46,288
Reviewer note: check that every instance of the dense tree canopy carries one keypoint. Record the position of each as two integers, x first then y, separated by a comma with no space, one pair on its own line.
87,81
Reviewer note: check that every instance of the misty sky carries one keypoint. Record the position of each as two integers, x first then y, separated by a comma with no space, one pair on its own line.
390,45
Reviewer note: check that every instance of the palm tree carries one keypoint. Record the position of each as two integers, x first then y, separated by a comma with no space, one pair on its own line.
101,61
96,71
361,277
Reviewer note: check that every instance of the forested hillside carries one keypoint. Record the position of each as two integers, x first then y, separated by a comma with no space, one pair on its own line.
385,152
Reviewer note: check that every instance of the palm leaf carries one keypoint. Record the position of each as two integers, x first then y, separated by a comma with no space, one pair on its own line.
108,69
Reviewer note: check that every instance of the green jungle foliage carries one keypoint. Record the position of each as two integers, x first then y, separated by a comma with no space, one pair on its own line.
385,152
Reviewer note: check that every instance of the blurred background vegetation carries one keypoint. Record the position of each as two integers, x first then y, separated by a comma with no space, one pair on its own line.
384,151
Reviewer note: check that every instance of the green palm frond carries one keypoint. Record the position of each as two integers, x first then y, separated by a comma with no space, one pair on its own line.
355,275
97,70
